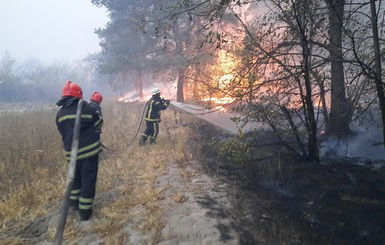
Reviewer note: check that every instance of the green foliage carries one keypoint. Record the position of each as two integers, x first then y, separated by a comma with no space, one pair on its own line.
236,150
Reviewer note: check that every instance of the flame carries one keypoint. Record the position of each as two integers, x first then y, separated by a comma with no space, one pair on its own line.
219,103
224,72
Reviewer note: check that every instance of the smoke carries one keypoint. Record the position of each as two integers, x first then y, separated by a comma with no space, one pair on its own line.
366,144
168,90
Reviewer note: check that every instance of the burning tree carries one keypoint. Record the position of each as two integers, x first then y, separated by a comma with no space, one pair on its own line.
303,66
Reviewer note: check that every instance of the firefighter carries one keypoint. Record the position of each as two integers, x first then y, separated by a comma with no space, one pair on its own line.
152,116
83,189
95,101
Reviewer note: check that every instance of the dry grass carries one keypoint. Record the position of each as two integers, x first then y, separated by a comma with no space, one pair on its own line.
128,192
30,154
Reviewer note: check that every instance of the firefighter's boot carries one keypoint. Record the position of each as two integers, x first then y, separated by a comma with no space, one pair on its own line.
142,140
85,214
152,141
74,205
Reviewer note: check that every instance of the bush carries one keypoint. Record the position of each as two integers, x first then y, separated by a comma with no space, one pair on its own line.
236,150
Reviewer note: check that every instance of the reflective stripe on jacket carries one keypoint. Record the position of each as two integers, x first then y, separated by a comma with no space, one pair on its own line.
154,106
89,138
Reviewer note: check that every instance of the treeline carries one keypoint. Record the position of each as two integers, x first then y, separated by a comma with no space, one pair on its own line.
31,81
26,93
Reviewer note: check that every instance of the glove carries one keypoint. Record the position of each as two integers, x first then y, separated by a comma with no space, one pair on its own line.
166,102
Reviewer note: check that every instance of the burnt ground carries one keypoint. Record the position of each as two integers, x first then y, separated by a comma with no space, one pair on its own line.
278,199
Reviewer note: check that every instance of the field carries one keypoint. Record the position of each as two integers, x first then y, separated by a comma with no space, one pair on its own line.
193,187
33,174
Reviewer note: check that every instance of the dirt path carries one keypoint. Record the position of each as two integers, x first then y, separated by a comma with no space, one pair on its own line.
194,208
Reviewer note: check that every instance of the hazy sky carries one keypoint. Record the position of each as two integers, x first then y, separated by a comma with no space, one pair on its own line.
49,30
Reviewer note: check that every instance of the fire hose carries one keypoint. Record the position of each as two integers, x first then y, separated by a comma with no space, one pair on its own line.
139,124
70,177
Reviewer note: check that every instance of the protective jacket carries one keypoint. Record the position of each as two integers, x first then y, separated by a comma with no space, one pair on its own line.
91,121
154,106
96,106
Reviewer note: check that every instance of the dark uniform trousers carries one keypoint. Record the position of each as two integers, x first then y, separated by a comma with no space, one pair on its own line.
83,189
152,130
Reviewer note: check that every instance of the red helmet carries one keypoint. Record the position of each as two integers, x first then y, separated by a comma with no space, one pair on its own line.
72,89
97,97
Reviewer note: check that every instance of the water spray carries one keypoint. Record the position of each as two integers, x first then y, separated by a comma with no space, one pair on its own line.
203,111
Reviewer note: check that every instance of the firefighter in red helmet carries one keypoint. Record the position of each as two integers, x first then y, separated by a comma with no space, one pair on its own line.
95,101
83,189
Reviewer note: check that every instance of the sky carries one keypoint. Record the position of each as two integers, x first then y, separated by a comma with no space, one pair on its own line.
50,30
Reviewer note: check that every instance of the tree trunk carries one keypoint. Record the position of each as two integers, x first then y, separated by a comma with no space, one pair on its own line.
139,85
339,116
194,81
313,150
312,131
307,97
377,64
180,85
